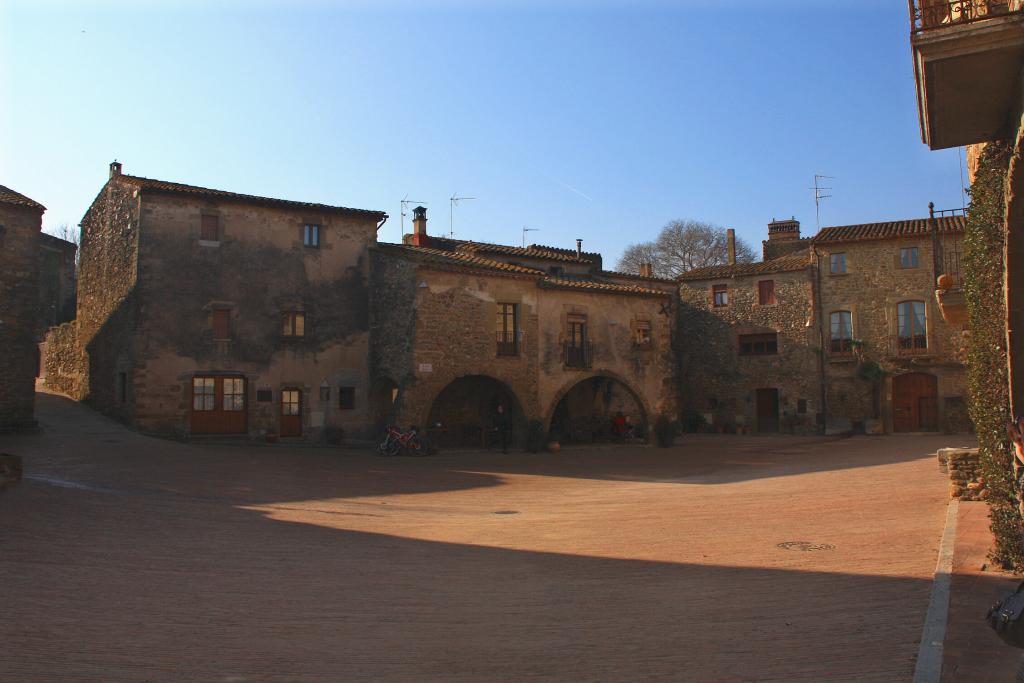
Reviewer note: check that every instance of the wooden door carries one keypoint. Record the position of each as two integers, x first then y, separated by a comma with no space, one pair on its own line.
291,412
767,410
218,405
915,402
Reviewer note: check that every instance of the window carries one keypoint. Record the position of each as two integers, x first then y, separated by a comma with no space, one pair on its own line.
801,406
202,393
294,324
910,326
347,398
311,235
720,295
210,229
577,354
221,324
642,333
290,402
837,264
759,344
122,386
841,333
766,292
908,257
264,395
507,325
234,394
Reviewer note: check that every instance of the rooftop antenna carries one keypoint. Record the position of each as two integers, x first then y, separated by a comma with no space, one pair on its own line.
454,200
526,230
819,194
405,205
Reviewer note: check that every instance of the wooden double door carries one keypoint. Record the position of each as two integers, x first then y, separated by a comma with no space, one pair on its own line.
219,405
915,399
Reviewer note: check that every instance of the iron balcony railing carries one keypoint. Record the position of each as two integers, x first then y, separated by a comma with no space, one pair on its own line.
578,354
926,15
950,247
508,345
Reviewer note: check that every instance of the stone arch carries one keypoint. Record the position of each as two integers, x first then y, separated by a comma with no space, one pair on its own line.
604,393
464,413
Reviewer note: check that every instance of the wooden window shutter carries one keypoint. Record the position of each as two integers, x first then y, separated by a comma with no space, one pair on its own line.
221,324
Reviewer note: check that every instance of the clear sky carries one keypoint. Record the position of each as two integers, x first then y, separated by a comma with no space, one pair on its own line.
598,120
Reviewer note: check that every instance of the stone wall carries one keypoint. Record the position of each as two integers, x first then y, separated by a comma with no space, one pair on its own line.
871,289
56,282
19,292
65,364
964,468
719,383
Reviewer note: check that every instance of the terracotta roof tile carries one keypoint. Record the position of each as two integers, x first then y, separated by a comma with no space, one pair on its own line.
455,258
790,262
634,276
536,251
9,196
593,285
874,231
164,186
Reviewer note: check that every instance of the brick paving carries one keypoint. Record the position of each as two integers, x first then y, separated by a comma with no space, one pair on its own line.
126,558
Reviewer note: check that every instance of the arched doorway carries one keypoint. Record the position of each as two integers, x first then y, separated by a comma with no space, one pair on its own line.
915,402
383,396
588,412
465,413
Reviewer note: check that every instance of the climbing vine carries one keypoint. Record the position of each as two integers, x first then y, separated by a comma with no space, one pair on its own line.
986,349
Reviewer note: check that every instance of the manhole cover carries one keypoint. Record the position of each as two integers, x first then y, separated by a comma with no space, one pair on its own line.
506,512
806,546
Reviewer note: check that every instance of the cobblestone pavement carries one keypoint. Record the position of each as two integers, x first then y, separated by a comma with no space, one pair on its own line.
127,558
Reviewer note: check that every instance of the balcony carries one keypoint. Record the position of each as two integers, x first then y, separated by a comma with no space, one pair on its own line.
949,293
578,355
508,345
968,56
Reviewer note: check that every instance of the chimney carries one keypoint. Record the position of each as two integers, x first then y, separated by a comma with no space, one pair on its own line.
782,231
419,226
731,237
579,248
115,168
646,270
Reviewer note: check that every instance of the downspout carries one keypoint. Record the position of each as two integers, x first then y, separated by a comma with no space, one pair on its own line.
816,304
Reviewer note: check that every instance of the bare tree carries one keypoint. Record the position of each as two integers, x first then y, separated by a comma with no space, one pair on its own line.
68,234
681,246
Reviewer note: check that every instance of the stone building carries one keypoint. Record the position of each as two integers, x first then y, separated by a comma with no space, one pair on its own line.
749,350
203,311
462,327
57,281
20,223
890,354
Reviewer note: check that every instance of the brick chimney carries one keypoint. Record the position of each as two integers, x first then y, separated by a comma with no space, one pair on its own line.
579,248
419,227
731,239
115,168
646,270
782,231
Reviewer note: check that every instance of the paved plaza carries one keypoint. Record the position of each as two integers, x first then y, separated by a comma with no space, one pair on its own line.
128,558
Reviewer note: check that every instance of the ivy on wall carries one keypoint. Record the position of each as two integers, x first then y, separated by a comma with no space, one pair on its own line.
986,362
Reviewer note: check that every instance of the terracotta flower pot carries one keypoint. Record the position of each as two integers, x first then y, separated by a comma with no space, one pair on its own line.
271,437
554,446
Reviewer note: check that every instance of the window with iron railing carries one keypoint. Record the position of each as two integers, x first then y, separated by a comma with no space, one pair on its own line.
932,14
911,326
507,333
841,333
577,348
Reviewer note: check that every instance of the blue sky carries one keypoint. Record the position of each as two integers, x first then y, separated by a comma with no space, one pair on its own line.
598,120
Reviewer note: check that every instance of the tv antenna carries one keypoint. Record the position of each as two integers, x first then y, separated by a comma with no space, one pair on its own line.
454,201
405,205
819,194
526,230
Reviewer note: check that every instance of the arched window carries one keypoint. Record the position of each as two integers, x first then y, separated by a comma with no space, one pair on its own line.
841,332
910,326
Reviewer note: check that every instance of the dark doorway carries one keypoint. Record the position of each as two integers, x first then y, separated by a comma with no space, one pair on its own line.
218,405
767,410
915,402
599,409
465,414
291,412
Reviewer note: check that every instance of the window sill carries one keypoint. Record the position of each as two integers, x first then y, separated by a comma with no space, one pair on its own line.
838,274
842,359
209,243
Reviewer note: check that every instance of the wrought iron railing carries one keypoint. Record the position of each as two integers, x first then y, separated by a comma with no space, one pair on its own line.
577,354
508,345
950,247
926,15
